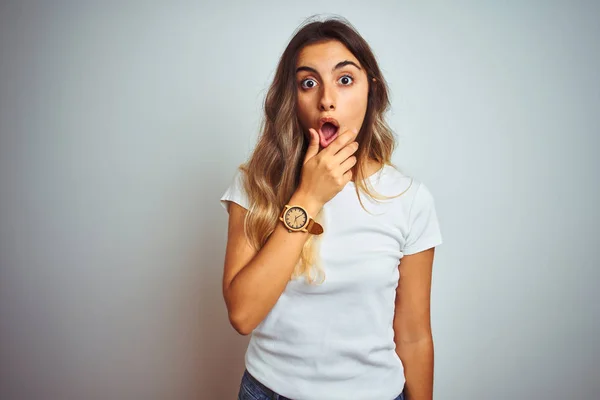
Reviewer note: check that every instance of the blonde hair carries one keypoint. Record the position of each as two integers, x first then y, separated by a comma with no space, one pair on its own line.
272,173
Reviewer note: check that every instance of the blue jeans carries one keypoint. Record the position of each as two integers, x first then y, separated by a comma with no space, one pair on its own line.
252,389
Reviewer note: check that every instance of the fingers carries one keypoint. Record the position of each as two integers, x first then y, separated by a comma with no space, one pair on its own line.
313,146
347,136
348,164
346,152
348,175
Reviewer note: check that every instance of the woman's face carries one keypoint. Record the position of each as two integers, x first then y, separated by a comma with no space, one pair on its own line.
332,90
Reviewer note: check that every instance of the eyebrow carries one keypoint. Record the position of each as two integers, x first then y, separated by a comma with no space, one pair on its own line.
339,65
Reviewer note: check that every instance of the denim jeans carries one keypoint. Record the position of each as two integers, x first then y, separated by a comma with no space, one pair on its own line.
251,389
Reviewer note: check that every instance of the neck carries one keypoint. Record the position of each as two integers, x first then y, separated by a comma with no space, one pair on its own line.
371,168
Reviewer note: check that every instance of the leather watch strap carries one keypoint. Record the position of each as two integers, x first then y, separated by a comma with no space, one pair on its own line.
314,228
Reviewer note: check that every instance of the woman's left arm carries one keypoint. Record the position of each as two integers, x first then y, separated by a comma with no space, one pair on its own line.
412,324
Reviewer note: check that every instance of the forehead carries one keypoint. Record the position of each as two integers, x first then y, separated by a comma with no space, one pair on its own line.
324,54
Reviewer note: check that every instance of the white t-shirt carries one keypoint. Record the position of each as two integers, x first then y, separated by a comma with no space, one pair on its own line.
336,340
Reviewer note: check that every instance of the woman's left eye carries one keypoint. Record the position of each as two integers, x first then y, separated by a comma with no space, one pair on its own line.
346,80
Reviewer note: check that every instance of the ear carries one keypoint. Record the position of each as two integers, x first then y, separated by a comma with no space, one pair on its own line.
373,83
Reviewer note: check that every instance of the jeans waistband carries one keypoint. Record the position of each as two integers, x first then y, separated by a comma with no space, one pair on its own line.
277,396
268,392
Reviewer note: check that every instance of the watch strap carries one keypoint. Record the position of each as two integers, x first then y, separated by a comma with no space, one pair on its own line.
314,227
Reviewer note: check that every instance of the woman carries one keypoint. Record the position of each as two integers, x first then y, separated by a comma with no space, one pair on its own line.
321,228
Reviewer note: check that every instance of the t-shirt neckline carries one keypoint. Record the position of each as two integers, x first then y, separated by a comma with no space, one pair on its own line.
376,176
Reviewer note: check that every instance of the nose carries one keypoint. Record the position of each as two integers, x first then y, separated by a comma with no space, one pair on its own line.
327,102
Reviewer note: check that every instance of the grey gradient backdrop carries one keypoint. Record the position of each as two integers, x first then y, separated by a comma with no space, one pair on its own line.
122,124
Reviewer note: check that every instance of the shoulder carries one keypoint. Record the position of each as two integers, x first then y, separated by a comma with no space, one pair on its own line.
408,193
236,192
395,182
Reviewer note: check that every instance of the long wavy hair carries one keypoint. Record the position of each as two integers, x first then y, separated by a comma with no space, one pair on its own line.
272,172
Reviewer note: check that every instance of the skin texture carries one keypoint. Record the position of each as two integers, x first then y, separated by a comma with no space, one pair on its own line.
328,91
412,324
253,281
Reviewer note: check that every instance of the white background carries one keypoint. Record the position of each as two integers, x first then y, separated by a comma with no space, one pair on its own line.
122,123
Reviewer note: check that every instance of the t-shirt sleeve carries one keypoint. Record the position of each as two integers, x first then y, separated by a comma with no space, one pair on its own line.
235,193
423,225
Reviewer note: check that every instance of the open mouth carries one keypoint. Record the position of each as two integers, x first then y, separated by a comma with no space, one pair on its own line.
328,131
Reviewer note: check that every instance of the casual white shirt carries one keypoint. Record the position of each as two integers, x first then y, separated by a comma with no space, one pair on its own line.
336,340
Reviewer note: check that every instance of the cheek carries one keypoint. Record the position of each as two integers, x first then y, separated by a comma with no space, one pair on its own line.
356,105
303,109
364,97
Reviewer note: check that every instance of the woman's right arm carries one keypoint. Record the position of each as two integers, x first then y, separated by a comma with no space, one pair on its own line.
254,280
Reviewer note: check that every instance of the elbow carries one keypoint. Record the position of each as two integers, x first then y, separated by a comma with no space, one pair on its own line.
240,324
240,317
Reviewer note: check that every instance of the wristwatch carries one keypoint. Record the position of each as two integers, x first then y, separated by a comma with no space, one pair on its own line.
296,219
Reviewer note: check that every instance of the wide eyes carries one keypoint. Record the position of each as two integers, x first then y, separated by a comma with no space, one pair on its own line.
310,83
346,80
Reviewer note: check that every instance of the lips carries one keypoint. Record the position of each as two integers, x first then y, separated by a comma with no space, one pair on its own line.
328,130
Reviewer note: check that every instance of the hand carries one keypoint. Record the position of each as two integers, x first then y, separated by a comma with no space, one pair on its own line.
325,173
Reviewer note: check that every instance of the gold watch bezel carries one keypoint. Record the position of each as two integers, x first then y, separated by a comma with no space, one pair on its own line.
286,210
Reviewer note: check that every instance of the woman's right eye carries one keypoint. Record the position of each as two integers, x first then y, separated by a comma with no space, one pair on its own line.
308,83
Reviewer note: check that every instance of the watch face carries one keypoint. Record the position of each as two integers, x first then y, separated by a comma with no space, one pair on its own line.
295,217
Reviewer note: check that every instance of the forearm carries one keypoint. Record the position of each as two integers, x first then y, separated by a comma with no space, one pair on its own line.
417,359
256,288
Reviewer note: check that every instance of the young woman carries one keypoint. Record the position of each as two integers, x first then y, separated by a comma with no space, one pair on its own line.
330,247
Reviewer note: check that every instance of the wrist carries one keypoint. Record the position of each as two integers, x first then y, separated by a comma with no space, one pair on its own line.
306,201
